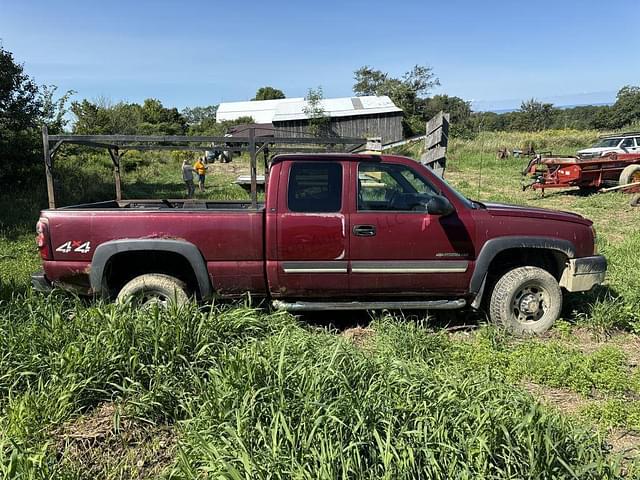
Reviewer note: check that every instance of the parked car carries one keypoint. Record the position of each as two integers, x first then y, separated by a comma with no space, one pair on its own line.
625,143
336,232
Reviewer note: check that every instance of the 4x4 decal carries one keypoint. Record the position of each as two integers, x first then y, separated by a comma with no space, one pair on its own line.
75,246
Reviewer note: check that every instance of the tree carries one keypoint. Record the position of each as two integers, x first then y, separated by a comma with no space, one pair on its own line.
201,120
459,109
268,93
626,110
20,102
24,107
408,92
370,81
534,116
150,118
318,120
198,115
487,121
53,110
160,120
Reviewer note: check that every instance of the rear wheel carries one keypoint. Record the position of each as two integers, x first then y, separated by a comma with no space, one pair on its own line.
526,300
630,174
151,289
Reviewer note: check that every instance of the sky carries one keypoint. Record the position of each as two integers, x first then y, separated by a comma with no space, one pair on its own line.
495,53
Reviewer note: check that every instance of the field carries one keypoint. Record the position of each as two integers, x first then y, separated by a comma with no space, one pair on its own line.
94,390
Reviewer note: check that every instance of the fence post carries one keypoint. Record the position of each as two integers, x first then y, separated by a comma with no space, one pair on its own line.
252,153
115,158
265,153
48,167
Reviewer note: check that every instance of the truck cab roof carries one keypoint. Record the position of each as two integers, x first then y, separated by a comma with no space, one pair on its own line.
353,157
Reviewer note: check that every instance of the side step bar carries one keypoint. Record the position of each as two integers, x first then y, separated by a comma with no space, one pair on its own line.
409,305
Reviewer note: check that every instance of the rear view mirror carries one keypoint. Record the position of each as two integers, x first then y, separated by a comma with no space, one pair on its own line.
439,205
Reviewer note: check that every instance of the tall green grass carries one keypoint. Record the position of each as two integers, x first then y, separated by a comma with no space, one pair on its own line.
558,141
256,396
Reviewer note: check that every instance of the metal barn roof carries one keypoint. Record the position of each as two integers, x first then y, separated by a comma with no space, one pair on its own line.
264,111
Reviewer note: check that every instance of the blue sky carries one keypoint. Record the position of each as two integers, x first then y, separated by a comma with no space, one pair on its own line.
189,53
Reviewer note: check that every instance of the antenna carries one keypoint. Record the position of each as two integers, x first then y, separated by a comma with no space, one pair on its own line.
481,161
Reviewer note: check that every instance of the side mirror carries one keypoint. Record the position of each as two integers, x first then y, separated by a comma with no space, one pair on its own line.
439,205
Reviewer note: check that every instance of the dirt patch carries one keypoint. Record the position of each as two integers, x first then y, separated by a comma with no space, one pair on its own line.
625,443
587,342
107,443
563,399
360,337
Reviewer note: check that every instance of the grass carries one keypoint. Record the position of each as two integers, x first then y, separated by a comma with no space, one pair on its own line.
251,395
92,390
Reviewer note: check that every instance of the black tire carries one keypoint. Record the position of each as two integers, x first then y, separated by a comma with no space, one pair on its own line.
526,300
154,288
630,174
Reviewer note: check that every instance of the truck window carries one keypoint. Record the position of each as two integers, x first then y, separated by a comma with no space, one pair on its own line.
391,187
315,187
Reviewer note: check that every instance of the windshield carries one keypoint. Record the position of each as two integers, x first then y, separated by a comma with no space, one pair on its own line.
459,196
607,142
469,203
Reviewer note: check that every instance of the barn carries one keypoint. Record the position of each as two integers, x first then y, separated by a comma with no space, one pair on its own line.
367,116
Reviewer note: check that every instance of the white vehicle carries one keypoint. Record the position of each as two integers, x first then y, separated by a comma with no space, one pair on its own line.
624,143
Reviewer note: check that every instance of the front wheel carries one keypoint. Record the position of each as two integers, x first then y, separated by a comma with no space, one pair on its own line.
152,289
526,300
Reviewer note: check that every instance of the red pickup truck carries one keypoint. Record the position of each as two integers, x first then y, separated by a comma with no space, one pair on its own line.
336,232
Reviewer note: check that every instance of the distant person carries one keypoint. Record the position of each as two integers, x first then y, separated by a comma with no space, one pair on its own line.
201,169
187,176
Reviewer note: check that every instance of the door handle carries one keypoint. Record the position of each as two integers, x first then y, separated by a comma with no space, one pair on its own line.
364,230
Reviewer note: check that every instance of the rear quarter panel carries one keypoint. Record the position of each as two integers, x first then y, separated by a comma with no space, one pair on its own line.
231,243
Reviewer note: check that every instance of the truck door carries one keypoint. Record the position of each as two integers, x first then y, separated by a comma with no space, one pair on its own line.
312,241
398,248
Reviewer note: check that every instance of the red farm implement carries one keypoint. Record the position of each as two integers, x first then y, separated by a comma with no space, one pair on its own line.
613,169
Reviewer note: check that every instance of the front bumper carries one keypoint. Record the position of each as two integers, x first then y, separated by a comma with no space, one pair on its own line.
40,282
581,274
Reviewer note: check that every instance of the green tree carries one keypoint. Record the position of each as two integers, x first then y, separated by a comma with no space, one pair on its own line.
268,93
626,110
319,122
24,107
534,116
53,110
408,92
459,109
20,100
487,121
156,119
198,115
150,118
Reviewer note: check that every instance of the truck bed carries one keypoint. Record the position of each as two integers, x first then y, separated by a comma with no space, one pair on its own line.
166,204
228,235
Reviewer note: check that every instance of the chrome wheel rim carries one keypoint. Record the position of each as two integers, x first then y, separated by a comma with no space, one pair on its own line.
151,300
530,303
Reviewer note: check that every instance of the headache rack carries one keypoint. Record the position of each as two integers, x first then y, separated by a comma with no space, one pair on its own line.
118,145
